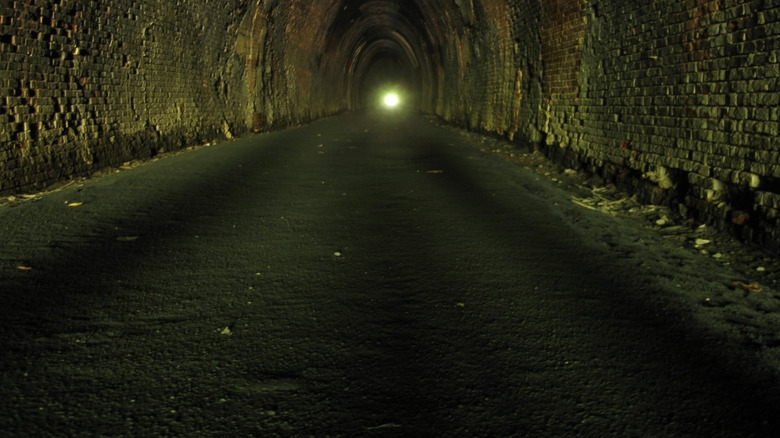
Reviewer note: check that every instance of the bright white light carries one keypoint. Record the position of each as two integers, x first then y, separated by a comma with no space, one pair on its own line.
391,100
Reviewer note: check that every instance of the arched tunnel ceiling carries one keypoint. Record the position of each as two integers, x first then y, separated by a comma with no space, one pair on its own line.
414,33
364,32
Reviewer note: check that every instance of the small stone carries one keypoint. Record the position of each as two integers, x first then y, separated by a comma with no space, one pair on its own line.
755,181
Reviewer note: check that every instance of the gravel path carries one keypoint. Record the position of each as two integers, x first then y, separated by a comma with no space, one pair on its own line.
364,277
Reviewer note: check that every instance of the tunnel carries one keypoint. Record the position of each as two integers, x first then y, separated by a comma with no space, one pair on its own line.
686,91
216,222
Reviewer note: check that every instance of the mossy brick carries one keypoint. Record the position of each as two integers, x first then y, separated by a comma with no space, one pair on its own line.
747,68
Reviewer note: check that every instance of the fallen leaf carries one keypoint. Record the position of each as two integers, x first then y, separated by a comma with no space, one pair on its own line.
435,171
226,331
582,204
75,204
24,268
385,426
752,286
460,304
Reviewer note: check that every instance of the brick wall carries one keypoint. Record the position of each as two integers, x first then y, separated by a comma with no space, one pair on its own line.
562,34
676,99
478,85
526,27
89,84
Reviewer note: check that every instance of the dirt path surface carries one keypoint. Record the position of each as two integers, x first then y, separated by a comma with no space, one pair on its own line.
362,277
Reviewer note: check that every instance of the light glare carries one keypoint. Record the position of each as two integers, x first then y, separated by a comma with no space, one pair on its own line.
391,100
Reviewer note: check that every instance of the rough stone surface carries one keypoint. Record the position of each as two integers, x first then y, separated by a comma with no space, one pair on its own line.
91,84
685,89
674,99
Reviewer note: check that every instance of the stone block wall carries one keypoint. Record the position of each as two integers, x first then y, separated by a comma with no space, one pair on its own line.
683,94
526,28
89,84
676,99
562,33
478,82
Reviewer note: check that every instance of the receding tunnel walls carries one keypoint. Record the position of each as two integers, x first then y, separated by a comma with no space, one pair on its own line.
91,84
363,33
678,98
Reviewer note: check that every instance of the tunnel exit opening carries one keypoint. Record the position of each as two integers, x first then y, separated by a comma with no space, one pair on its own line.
387,85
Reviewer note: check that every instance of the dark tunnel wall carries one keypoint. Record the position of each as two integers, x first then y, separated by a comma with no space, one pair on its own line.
677,99
91,84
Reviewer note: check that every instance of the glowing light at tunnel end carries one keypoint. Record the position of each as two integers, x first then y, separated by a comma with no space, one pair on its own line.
391,100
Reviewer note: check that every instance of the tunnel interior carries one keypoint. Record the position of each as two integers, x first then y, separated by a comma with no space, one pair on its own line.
390,275
384,74
377,45
665,96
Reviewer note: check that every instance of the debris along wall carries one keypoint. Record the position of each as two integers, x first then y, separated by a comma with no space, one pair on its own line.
678,99
86,85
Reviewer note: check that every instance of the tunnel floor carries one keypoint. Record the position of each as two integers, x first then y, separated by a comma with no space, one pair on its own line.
359,276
